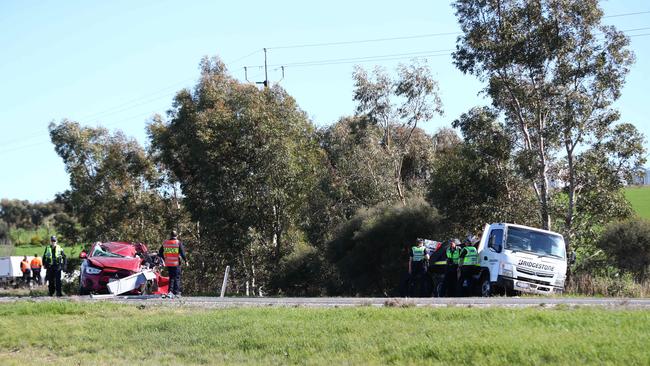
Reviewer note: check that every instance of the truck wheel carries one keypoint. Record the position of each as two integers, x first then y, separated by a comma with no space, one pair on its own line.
486,287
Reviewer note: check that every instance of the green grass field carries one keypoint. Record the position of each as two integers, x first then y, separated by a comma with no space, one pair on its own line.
70,251
66,333
639,197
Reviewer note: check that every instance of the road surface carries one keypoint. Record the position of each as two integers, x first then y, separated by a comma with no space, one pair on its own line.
216,302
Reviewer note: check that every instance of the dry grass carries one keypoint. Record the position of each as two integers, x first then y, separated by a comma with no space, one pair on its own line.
587,285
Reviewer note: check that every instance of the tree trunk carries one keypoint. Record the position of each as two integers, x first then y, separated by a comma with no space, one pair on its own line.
398,179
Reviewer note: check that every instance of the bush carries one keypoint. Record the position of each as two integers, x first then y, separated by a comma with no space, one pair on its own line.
370,251
627,246
35,240
608,286
304,272
4,233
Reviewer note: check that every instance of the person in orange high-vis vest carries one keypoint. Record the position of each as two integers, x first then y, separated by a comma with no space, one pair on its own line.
36,265
172,251
27,273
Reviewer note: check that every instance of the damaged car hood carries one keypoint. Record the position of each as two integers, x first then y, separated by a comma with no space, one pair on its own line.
131,264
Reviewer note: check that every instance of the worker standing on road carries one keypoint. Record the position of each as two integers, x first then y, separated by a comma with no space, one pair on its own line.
417,267
27,273
468,267
36,265
451,271
172,251
54,261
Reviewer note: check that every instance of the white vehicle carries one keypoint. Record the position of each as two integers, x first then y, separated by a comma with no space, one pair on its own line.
521,259
10,272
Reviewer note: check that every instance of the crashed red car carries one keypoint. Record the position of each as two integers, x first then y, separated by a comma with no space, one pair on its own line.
110,261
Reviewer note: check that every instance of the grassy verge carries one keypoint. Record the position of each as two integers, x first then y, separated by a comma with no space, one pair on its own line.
121,334
70,251
639,197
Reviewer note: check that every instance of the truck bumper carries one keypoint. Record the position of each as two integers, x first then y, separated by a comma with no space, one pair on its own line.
527,287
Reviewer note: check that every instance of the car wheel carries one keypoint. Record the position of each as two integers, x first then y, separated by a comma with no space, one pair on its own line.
486,287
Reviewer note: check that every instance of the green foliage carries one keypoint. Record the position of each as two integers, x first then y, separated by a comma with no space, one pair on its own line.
639,197
20,214
627,245
397,106
554,71
475,181
370,251
37,236
304,272
246,160
298,336
4,233
113,186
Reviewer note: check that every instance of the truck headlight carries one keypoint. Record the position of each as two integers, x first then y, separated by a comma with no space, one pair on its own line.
92,270
506,270
559,282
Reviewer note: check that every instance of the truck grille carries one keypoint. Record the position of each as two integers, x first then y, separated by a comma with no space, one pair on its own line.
533,281
534,273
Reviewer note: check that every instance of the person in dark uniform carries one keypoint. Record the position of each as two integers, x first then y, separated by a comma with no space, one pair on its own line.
468,266
54,261
172,251
451,270
417,267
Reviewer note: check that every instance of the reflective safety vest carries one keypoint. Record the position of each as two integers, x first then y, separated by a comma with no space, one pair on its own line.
57,259
24,266
418,253
471,257
453,255
36,263
171,252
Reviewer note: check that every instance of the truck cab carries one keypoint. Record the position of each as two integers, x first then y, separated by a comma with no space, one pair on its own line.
517,258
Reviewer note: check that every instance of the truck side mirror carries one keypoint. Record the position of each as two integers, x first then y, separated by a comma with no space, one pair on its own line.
572,257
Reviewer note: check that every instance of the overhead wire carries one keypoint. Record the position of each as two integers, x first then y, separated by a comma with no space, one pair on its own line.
149,98
146,99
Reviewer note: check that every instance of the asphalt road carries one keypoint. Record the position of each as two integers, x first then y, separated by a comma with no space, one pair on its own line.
216,302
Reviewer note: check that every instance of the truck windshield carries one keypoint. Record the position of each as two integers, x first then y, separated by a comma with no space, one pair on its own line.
536,242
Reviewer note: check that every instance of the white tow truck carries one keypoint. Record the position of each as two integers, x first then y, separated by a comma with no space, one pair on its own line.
517,258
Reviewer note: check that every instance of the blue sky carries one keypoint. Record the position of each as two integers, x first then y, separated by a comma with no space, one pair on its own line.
117,63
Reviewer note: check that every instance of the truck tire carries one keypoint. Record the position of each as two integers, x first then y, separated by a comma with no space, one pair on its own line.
485,286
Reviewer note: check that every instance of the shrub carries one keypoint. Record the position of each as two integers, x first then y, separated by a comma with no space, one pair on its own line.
304,272
35,240
627,246
608,286
370,251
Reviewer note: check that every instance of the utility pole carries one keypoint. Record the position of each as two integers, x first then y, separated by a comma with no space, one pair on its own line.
266,72
266,75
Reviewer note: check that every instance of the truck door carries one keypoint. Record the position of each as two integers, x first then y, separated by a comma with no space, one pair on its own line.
491,254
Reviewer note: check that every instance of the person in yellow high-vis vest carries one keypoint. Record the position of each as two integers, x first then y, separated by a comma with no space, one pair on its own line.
451,271
172,251
418,258
468,266
54,261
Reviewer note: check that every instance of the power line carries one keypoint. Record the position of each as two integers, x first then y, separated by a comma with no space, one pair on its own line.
416,36
626,14
148,98
360,58
370,60
365,40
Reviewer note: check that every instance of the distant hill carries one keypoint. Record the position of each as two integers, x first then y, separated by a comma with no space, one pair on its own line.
639,197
